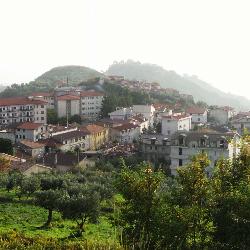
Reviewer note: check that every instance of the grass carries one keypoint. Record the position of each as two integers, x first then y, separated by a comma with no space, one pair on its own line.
24,218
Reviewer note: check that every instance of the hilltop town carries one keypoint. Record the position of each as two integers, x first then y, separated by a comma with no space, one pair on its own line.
42,125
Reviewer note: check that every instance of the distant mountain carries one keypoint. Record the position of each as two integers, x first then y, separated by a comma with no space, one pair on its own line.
185,84
74,74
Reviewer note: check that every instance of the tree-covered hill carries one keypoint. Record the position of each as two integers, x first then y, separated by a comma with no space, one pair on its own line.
75,75
170,79
58,76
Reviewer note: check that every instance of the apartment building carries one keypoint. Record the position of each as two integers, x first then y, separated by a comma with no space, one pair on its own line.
22,109
67,105
45,96
90,104
221,115
186,144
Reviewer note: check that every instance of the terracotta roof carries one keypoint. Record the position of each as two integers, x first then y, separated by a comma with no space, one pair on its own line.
126,127
195,110
91,93
29,125
68,97
69,135
92,128
31,144
42,94
20,101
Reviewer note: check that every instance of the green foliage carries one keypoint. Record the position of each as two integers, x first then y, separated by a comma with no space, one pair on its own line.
116,96
139,189
52,117
6,146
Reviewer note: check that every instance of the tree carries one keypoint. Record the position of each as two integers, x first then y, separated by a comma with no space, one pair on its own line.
194,200
75,118
139,189
52,117
51,191
80,205
6,146
29,185
48,199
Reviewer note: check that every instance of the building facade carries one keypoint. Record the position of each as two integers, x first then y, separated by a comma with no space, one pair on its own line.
174,123
185,145
22,109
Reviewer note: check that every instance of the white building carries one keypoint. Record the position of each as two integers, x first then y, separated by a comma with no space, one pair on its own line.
174,123
45,96
22,109
91,104
221,115
198,115
67,105
125,133
69,141
121,114
146,110
184,145
30,131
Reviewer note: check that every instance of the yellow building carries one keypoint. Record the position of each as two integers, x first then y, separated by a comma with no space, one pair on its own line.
98,135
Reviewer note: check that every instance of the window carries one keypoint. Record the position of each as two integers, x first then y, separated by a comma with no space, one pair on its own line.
42,106
169,132
42,118
180,151
42,112
180,162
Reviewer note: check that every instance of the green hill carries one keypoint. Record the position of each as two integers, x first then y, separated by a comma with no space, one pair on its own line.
185,84
75,75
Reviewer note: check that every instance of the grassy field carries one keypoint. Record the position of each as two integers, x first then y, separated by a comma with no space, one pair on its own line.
24,218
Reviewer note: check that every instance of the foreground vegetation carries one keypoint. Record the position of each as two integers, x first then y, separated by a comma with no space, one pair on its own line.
127,204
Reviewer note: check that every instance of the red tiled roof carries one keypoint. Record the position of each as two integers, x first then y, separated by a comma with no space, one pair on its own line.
20,101
92,128
42,94
195,110
29,125
91,93
126,126
31,144
68,97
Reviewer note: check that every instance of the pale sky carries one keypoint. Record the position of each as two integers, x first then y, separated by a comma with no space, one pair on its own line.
207,38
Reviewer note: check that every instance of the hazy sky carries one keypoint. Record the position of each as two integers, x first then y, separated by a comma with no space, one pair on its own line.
208,38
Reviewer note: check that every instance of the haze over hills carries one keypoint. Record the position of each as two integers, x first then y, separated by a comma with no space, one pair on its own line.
131,70
185,84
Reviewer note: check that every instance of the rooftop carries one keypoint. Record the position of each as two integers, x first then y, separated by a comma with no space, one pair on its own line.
20,101
91,93
195,110
48,94
31,144
126,126
69,135
29,125
92,128
68,97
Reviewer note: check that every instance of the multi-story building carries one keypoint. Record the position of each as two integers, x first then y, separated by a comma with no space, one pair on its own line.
186,144
155,147
90,104
126,133
22,109
67,105
121,114
173,123
45,96
30,131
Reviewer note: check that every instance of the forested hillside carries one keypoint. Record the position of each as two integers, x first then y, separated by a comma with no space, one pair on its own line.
170,79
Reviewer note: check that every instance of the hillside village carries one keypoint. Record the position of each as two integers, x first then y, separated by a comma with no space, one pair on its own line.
169,134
